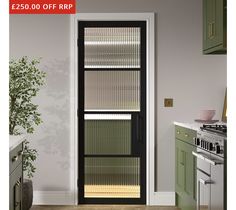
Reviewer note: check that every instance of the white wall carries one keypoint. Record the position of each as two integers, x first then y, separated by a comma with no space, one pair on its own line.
48,37
195,81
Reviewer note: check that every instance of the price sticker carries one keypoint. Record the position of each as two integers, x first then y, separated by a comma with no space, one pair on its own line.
42,6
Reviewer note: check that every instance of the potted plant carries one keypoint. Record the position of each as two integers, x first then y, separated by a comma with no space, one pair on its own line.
25,80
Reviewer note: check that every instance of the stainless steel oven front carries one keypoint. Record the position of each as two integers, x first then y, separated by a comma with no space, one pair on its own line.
210,181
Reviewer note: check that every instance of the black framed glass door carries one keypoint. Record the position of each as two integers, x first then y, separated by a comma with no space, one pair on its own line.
112,112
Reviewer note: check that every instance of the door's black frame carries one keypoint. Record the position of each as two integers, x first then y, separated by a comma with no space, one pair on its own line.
135,129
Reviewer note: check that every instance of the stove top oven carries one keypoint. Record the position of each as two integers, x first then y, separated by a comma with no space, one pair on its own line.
211,167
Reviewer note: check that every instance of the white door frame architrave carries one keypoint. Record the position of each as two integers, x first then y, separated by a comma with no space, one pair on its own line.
152,196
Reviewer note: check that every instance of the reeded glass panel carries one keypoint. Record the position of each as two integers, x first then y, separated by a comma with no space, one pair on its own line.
108,134
112,47
112,177
112,90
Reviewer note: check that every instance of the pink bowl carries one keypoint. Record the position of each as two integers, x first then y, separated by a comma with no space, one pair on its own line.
207,114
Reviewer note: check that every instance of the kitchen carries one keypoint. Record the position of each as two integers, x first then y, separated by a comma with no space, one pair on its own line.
182,73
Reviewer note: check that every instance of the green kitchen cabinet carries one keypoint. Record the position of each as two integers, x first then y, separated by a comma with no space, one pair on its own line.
16,189
214,27
185,169
16,178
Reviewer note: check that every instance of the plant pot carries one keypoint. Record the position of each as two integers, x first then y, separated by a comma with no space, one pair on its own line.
27,194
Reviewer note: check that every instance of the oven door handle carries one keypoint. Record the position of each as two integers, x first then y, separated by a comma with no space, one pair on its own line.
206,182
207,159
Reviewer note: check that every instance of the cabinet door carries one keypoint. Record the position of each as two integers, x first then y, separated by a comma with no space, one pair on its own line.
185,176
190,176
213,25
15,191
180,166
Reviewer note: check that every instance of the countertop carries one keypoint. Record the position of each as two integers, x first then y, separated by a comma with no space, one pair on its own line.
194,125
15,140
191,125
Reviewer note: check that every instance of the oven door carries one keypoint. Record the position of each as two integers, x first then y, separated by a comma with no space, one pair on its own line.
218,187
210,181
203,190
203,179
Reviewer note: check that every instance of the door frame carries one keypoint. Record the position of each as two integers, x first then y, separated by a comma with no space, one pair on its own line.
150,94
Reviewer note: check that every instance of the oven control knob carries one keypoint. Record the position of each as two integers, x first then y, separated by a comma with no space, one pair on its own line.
217,148
197,141
211,146
204,144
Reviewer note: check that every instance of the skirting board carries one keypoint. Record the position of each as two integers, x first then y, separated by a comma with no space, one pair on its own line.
163,199
67,198
53,198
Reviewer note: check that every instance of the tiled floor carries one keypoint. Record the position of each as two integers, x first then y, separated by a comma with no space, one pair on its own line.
103,207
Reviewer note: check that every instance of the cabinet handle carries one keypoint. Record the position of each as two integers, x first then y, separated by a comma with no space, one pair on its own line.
212,29
18,183
178,132
14,159
209,30
17,192
186,135
20,153
182,162
16,203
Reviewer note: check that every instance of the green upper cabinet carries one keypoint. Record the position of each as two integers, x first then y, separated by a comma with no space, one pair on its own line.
214,27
